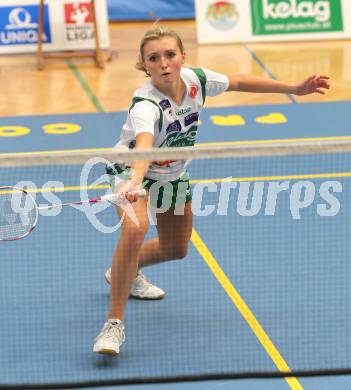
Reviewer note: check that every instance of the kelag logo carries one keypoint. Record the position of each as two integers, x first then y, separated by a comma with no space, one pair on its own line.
19,25
222,15
295,16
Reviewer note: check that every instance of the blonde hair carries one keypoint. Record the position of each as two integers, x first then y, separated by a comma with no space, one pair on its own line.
156,32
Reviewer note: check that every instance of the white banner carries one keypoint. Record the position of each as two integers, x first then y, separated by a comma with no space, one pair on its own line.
232,21
68,25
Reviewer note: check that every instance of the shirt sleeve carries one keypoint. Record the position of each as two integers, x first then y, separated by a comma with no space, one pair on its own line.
216,83
143,117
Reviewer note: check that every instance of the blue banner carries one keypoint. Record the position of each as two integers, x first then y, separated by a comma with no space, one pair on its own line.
150,9
19,25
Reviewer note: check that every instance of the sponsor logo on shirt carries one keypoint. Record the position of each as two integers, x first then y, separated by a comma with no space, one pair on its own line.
178,139
174,127
165,163
191,118
183,111
164,104
194,89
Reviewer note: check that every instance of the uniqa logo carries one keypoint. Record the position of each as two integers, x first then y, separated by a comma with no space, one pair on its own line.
20,29
319,10
20,18
222,15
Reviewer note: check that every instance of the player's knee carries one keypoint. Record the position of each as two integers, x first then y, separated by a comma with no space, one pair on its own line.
176,252
181,252
135,233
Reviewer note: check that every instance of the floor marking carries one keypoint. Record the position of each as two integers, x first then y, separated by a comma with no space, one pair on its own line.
203,181
198,145
273,178
93,98
244,310
278,140
267,71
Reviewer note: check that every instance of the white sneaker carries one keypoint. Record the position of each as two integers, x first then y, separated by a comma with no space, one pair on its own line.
110,338
141,288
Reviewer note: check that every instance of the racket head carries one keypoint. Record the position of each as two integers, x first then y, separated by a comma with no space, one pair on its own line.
18,213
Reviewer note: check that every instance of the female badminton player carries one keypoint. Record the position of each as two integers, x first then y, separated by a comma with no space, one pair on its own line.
164,113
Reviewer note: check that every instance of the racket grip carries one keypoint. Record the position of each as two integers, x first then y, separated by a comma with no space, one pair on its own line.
115,198
141,193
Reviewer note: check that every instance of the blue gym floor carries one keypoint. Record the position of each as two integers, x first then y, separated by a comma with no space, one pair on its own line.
293,275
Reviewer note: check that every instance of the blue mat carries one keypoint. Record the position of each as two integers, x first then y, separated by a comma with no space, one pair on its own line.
150,9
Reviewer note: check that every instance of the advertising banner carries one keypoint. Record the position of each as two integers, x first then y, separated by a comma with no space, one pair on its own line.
68,25
278,17
272,20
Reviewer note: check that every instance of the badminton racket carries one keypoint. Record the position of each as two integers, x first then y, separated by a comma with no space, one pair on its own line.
19,212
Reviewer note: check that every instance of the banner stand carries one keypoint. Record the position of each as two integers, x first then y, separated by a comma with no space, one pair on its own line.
68,28
41,56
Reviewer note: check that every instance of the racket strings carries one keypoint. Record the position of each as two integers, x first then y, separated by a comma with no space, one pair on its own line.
18,214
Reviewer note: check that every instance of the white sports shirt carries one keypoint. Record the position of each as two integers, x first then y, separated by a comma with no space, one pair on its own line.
171,125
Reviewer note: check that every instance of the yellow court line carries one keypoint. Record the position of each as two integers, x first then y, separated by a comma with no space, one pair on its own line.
58,189
61,189
203,181
273,178
244,310
253,142
274,141
49,152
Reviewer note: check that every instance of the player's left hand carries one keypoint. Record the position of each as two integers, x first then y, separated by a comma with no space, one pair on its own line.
313,84
129,190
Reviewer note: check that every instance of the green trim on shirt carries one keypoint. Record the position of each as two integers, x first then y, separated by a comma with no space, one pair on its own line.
203,79
137,99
